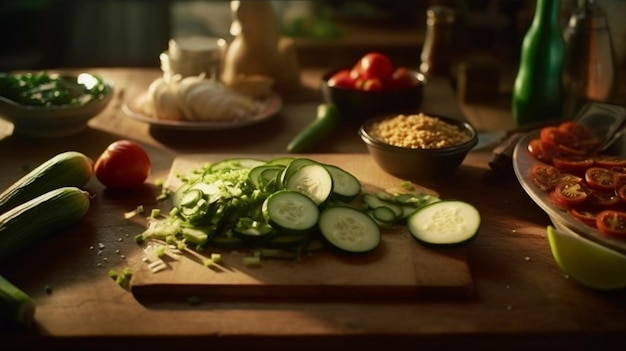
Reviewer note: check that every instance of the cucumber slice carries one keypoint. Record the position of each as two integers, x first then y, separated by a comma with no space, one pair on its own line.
346,187
290,211
293,167
373,202
349,229
264,175
312,180
444,223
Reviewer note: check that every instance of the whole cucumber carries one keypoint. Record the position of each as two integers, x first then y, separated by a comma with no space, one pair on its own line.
39,217
325,123
69,168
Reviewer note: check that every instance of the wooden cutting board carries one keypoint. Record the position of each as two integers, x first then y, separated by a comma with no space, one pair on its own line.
399,267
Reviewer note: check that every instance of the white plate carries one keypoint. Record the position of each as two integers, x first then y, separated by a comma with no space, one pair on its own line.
522,163
273,104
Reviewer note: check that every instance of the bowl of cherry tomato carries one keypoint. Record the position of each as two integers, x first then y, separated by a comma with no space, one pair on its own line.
52,104
373,86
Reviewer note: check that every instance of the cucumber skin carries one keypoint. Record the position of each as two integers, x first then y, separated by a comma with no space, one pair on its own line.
70,168
16,307
325,123
39,217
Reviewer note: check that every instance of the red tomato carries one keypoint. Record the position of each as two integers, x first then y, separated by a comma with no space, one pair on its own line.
545,176
374,65
580,131
552,134
541,150
600,178
372,84
342,79
402,78
610,161
586,216
602,198
570,193
612,223
124,164
577,164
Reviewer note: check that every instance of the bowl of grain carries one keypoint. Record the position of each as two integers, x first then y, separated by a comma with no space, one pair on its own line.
412,146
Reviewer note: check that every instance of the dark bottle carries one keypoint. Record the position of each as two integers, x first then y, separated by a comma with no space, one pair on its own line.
538,93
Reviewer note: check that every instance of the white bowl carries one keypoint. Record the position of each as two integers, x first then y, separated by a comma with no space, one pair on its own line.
53,121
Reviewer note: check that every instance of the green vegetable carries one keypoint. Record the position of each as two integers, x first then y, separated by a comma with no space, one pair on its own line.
291,211
35,219
445,223
51,89
325,123
349,229
16,307
69,168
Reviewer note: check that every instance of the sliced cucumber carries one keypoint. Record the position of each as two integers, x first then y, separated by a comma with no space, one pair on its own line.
290,211
264,175
445,223
294,166
373,202
312,180
349,229
346,187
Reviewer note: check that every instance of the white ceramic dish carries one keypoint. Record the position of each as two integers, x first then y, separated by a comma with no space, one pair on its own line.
522,163
54,121
273,105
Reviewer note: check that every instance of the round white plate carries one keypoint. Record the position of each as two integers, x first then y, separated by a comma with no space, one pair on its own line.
273,104
522,163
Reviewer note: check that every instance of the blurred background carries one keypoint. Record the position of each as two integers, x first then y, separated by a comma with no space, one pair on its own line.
40,34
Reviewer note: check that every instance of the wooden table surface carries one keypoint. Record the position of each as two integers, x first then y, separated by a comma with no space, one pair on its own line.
521,299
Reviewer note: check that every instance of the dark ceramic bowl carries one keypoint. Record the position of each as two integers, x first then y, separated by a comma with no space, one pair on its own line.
358,105
59,120
411,163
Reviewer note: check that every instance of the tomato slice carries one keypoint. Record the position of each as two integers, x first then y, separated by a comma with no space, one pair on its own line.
586,216
611,222
576,164
580,131
602,198
600,178
570,193
552,134
608,161
545,176
541,150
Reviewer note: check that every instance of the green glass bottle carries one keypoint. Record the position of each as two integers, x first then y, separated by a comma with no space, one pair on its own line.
538,92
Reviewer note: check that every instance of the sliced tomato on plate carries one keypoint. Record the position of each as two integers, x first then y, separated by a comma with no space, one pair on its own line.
611,222
600,178
584,215
545,176
541,150
552,134
578,130
609,161
570,193
576,164
602,199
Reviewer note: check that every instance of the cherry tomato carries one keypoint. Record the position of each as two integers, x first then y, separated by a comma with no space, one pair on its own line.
541,150
374,65
402,78
600,178
545,176
124,164
342,79
576,164
580,131
611,222
609,162
586,216
570,193
602,198
621,192
552,134
372,84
